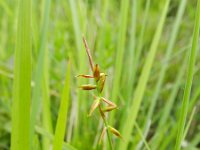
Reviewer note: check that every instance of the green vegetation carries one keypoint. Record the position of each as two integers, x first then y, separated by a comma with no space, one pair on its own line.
147,50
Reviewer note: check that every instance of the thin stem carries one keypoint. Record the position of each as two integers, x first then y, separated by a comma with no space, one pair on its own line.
106,124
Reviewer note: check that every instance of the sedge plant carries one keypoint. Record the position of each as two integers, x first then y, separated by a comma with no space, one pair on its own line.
99,101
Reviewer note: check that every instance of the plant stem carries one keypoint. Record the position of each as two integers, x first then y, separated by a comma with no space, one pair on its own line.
106,125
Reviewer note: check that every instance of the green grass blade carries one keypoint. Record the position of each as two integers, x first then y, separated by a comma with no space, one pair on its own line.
139,93
39,69
194,99
20,137
46,111
45,133
142,33
131,69
79,29
120,50
166,57
184,107
189,123
167,108
62,115
142,136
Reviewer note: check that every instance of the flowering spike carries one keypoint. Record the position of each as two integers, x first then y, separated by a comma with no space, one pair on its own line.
94,106
88,87
115,131
102,134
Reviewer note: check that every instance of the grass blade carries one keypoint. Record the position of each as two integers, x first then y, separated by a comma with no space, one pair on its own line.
120,50
142,136
43,132
166,57
39,68
189,123
20,138
139,93
184,107
62,116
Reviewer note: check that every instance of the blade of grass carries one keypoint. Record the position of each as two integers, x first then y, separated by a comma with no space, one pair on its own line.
194,99
167,108
4,5
139,93
120,51
166,57
45,133
62,115
189,123
20,137
142,136
192,57
131,69
142,33
39,68
79,28
146,131
46,112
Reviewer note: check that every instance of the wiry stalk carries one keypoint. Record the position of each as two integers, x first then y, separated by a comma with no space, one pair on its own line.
106,125
100,78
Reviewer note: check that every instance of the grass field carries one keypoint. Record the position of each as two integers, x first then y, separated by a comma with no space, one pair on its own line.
147,50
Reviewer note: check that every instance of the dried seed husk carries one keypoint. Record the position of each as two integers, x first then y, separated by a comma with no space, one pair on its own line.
88,87
96,72
101,82
108,102
88,53
94,106
115,131
85,76
109,108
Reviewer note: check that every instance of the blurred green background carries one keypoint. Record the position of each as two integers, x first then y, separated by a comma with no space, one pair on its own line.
120,35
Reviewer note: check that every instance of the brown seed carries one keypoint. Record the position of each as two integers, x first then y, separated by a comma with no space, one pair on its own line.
115,131
96,72
88,87
108,102
85,76
109,108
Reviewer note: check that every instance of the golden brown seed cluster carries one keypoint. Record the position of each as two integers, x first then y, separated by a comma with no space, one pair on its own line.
100,79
